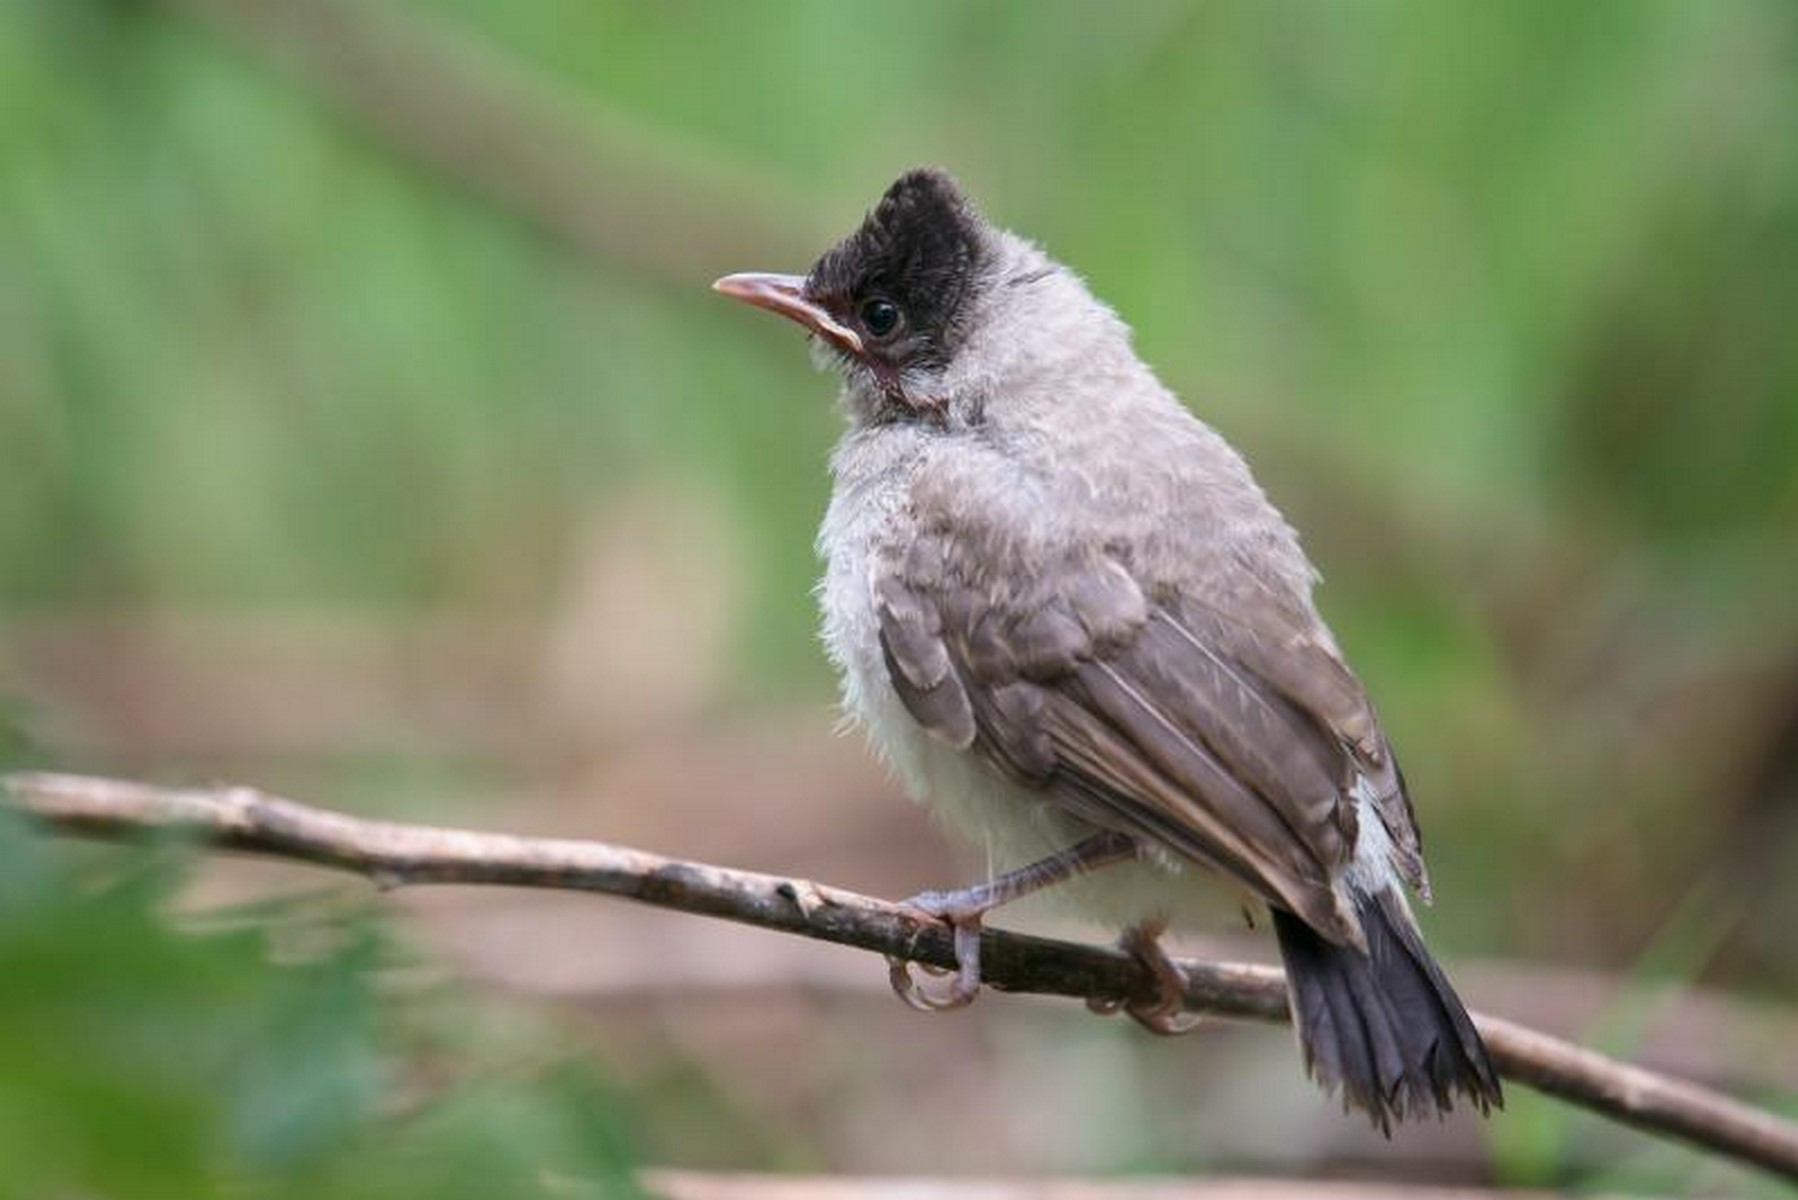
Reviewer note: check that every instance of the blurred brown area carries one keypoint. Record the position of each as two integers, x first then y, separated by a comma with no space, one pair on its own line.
693,1185
742,1048
370,436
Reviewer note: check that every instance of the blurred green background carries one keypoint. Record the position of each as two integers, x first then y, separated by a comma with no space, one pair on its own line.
368,431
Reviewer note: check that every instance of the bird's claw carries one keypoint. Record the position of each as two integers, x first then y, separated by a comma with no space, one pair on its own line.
917,998
1166,1015
965,984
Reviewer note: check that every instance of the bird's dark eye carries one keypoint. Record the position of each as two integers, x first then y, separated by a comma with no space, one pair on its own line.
879,317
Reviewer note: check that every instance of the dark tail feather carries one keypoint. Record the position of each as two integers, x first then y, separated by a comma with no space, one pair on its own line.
1383,1027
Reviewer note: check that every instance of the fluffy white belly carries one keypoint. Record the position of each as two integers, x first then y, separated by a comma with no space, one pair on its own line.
1013,825
1009,824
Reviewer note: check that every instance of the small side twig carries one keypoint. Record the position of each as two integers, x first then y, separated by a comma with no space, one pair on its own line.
394,854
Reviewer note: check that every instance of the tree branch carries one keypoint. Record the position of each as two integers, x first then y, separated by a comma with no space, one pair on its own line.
683,1184
392,854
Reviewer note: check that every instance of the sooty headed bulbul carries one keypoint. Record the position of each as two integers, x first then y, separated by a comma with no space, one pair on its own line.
1068,616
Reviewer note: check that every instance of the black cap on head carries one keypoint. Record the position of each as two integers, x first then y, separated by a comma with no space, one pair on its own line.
919,250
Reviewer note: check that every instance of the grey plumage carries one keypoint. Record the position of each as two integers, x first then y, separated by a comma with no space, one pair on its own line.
1061,604
1385,1027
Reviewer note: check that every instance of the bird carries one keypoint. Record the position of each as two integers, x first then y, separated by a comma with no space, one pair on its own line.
1065,613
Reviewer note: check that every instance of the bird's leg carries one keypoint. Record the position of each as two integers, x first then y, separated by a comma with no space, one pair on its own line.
1166,1015
964,910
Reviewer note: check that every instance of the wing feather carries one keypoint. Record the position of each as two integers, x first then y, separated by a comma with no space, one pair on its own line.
1295,658
1133,721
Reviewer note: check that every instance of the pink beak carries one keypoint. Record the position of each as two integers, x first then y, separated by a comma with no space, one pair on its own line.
785,294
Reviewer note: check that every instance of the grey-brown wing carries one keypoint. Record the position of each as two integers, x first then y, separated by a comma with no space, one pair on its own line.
1288,651
1159,718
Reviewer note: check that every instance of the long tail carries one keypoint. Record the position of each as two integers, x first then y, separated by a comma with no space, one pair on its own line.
1384,1028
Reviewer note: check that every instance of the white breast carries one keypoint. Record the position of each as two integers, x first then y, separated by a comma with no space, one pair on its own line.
1009,824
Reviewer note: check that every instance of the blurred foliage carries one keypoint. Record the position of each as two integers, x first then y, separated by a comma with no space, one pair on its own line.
1498,298
1516,263
252,1056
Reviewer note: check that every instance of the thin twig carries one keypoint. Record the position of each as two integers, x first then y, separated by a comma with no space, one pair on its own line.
393,854
713,1185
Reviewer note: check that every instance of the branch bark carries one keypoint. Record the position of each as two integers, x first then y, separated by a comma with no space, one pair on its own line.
709,1185
393,854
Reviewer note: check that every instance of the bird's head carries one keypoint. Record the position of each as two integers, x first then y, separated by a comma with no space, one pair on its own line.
904,302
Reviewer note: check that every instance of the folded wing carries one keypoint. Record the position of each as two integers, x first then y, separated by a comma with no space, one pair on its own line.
1230,740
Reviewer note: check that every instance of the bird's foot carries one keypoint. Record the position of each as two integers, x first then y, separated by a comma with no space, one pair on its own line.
1165,1015
963,911
963,920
